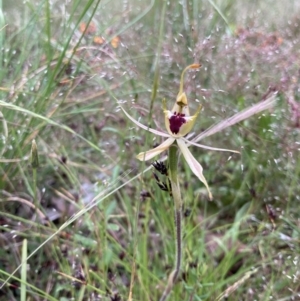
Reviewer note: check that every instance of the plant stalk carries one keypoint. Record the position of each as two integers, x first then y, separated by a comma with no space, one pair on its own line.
173,174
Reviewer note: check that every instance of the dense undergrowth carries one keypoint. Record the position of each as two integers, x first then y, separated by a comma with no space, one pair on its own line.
108,228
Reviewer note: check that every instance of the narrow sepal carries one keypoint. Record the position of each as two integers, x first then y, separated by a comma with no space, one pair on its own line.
193,164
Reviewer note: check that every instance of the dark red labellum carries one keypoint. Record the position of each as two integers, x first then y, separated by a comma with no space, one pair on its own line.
176,121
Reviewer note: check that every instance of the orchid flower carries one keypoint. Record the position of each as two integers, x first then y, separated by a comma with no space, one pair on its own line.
178,123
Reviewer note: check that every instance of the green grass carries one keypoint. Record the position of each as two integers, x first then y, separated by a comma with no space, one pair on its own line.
102,229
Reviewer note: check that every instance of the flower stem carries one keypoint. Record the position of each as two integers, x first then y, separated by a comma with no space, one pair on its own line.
193,66
173,163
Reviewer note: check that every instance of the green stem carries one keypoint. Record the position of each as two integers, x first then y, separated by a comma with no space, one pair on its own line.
173,163
34,165
35,199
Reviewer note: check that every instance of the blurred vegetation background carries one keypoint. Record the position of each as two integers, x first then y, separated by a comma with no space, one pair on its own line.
92,220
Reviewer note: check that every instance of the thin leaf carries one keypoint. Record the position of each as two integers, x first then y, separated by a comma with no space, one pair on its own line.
24,270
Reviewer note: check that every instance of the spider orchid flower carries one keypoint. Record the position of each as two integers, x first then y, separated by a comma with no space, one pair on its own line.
178,124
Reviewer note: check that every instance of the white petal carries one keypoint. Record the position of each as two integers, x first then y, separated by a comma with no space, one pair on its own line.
238,117
145,127
193,163
145,156
209,147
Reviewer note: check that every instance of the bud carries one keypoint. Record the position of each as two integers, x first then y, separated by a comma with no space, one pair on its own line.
34,155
